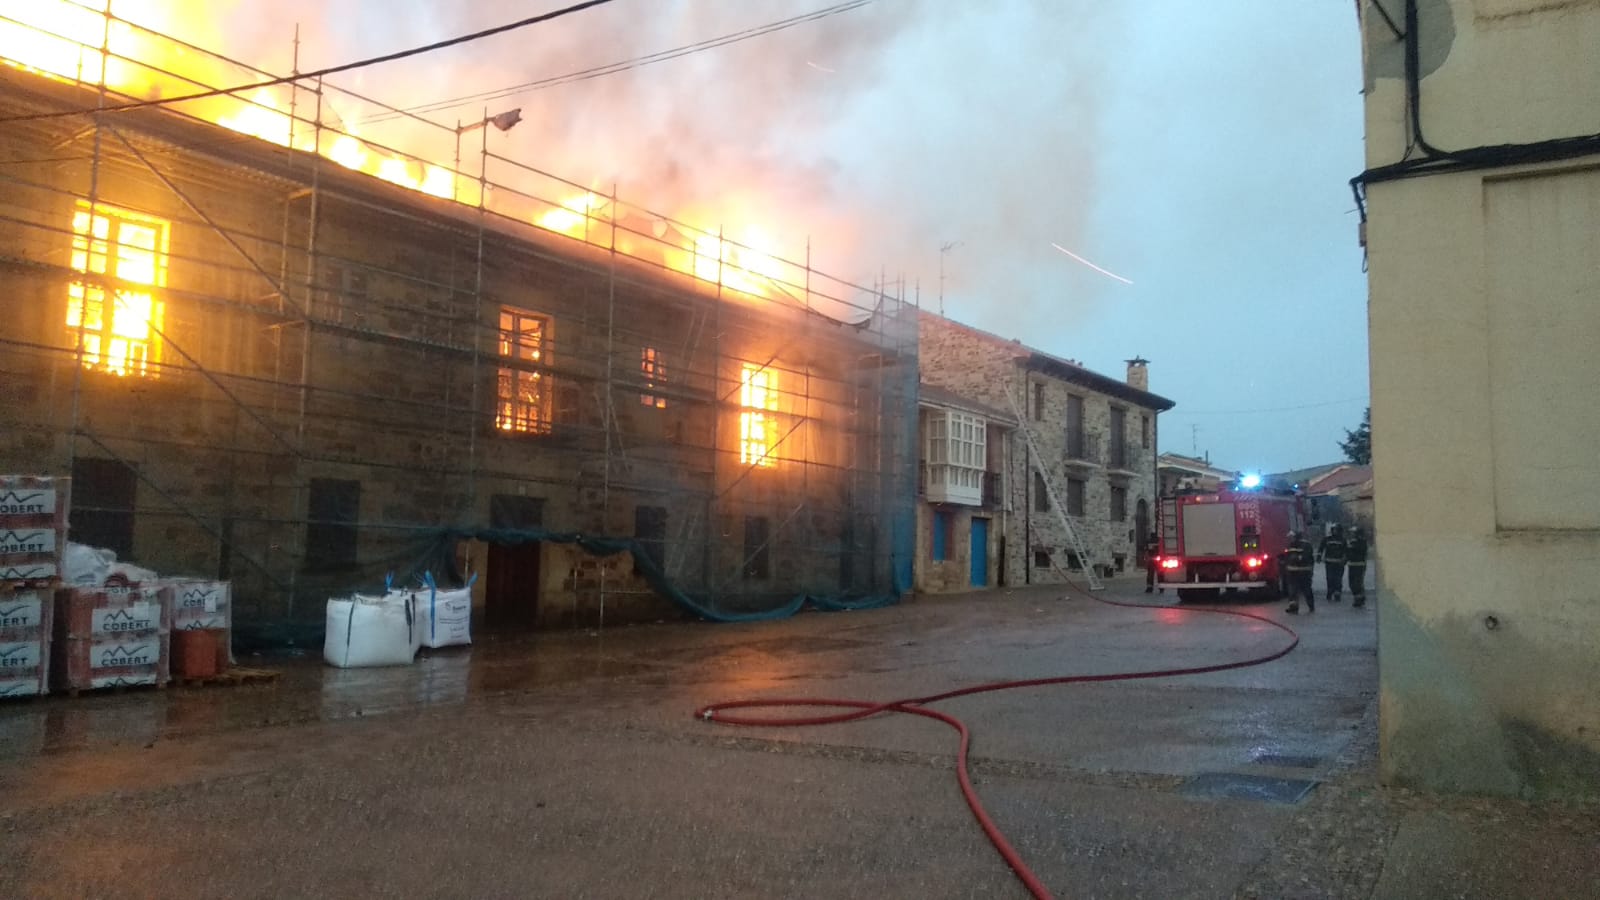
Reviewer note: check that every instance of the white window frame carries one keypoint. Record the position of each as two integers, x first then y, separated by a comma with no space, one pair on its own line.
956,452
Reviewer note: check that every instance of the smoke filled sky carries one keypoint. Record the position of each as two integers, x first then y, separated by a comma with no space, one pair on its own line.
1200,151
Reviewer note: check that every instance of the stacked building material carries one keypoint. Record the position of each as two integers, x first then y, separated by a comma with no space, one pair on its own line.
25,614
115,635
33,529
205,606
33,532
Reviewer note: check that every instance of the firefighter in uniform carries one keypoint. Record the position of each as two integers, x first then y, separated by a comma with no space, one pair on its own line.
1152,554
1298,562
1334,553
1356,553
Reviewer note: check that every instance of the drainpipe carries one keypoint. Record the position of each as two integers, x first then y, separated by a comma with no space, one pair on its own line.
1027,513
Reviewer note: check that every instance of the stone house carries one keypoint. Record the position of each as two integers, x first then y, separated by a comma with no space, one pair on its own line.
961,489
274,366
1084,440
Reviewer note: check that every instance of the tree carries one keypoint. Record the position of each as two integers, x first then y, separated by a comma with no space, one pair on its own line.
1357,444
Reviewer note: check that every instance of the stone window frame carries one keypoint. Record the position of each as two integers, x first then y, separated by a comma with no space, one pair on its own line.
1117,437
134,272
524,398
653,370
1077,497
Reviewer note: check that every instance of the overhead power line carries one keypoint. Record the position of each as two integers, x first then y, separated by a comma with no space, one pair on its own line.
1179,412
627,64
321,73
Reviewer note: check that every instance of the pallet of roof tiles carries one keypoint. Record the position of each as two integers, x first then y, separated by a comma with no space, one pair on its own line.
112,662
116,607
114,635
33,528
205,606
25,634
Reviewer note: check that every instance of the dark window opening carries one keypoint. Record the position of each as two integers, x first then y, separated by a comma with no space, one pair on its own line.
1075,493
103,494
650,530
1041,497
1041,559
1077,447
1119,438
517,512
1119,504
1038,402
1144,431
331,532
757,559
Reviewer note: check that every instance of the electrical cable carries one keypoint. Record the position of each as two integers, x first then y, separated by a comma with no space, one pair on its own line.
1180,413
1434,160
917,706
624,65
321,73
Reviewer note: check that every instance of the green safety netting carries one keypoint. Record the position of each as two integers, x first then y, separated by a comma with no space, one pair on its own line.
434,552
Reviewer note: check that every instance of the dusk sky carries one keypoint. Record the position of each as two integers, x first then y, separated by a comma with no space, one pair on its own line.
1200,151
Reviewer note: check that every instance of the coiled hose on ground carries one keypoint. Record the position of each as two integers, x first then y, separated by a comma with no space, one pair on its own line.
918,706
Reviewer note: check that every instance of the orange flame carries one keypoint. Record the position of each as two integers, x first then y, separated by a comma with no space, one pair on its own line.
68,40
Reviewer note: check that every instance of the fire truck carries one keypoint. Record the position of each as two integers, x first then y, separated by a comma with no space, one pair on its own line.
1230,539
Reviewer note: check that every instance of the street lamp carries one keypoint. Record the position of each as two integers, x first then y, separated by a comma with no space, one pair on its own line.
501,121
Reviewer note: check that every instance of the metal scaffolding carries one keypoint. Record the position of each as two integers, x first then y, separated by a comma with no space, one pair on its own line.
326,308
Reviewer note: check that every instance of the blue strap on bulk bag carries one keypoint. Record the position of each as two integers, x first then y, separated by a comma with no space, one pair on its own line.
433,606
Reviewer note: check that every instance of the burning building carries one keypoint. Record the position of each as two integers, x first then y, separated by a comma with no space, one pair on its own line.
271,351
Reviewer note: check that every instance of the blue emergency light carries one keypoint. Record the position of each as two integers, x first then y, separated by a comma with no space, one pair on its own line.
1250,481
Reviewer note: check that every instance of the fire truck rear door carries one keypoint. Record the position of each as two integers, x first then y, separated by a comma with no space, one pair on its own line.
1208,530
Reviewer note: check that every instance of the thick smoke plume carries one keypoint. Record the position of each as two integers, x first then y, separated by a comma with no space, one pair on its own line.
878,134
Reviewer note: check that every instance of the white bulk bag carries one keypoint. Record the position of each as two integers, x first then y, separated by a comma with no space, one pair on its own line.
445,616
371,631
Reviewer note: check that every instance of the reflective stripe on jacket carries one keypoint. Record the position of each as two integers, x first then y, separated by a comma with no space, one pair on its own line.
1357,551
1300,556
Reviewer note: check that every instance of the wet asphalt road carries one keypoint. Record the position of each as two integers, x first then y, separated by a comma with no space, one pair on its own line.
569,765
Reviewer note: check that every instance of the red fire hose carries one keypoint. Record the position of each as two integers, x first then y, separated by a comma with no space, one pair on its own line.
916,706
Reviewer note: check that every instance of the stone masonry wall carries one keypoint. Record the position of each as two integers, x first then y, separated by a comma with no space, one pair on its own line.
382,317
984,367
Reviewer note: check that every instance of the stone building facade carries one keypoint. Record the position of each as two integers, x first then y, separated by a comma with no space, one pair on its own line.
261,365
1085,442
961,492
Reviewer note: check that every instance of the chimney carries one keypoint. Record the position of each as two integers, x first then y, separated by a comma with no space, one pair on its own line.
1139,373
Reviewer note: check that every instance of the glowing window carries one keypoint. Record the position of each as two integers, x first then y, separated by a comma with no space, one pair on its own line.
523,401
757,398
119,331
654,377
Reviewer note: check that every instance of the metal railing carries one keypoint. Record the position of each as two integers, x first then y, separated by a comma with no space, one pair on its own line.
1083,447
